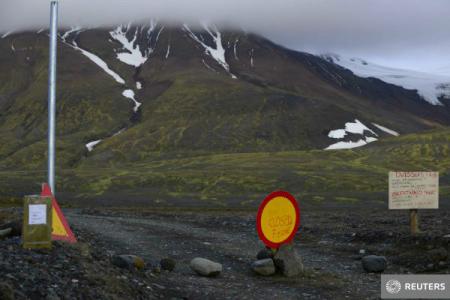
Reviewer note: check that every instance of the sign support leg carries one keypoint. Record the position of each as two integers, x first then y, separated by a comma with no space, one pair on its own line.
414,221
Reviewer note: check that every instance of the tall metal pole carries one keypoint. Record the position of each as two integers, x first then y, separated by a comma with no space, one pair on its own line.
52,93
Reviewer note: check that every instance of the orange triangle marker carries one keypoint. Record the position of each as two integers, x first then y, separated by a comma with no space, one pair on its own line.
61,230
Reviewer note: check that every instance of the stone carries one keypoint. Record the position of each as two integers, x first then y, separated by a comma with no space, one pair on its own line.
128,261
5,233
288,261
6,291
205,267
167,264
15,225
374,263
264,253
264,267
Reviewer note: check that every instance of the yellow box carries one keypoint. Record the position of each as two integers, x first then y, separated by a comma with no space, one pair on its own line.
37,222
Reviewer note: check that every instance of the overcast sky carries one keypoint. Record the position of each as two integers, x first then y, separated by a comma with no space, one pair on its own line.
401,33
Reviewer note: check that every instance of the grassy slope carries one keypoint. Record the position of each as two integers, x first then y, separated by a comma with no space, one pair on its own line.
86,109
242,179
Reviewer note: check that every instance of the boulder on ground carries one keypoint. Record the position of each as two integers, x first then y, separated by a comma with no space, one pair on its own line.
205,267
288,261
5,233
264,267
128,261
374,263
15,225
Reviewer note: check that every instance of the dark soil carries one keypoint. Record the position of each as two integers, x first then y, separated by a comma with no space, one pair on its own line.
329,242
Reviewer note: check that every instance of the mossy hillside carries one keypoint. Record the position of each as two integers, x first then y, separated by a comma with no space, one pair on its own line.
217,114
186,110
87,109
324,173
348,177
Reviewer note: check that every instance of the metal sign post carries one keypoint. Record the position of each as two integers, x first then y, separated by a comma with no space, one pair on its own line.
52,93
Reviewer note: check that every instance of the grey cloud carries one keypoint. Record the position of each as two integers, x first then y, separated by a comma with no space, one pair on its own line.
409,33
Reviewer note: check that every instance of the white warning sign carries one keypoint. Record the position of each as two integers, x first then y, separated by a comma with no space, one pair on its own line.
37,214
413,190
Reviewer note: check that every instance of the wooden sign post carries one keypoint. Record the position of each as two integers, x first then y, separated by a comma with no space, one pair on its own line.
414,191
414,221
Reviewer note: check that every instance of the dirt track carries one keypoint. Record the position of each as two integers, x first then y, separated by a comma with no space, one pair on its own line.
329,243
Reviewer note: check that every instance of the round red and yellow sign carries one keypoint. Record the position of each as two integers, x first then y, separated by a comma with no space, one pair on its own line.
278,219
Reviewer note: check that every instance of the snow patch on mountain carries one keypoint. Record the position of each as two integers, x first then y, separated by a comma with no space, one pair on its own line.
130,53
217,52
337,134
90,146
350,144
138,85
152,27
6,34
69,32
429,86
130,95
99,62
168,51
159,33
137,50
387,130
356,127
235,49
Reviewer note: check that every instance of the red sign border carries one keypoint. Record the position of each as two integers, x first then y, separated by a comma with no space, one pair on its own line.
261,209
46,191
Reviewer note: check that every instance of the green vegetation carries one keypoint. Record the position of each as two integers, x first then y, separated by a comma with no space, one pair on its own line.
241,179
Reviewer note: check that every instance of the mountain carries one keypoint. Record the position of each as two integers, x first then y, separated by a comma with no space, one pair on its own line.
135,94
431,87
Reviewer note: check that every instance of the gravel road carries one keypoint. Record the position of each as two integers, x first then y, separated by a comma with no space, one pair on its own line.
328,242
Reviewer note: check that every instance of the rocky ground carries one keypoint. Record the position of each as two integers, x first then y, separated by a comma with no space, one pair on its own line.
331,244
